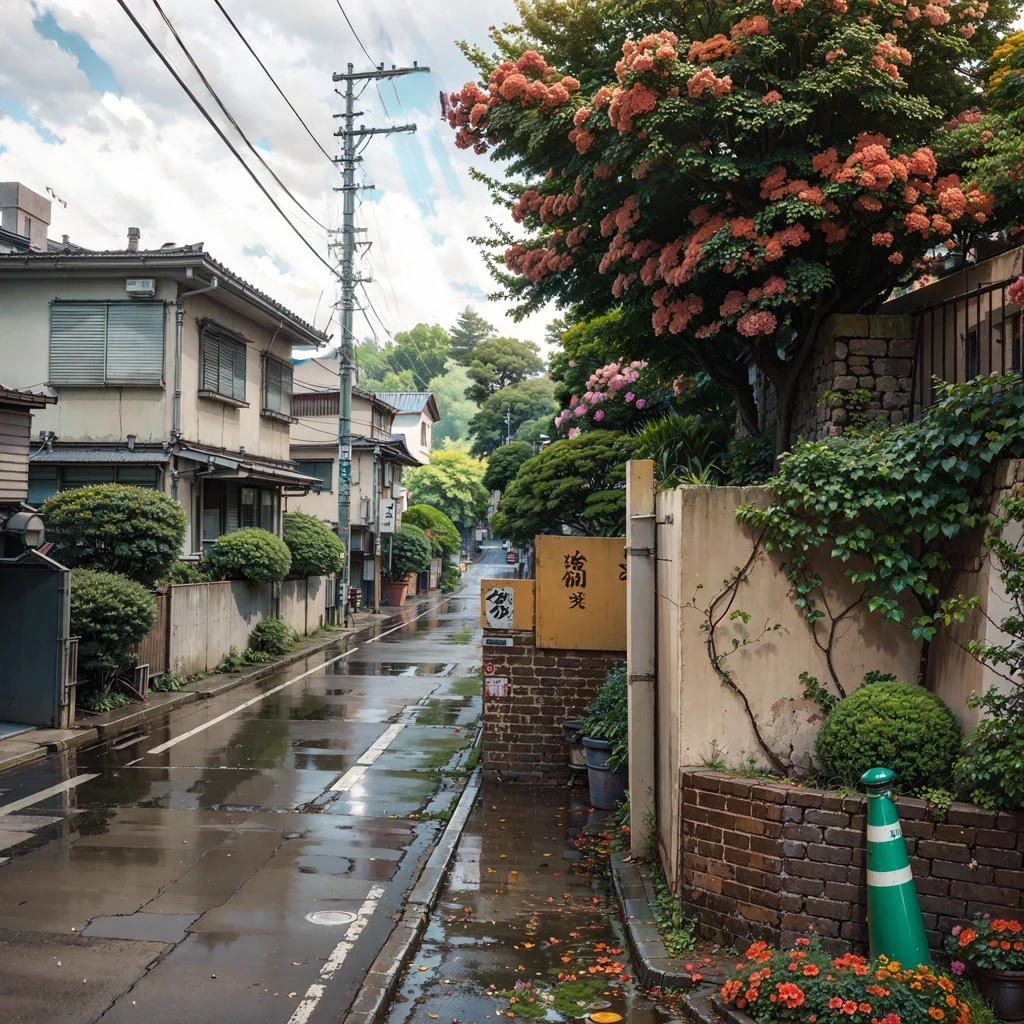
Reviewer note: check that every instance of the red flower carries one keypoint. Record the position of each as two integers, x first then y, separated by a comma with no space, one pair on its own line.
811,970
790,995
849,1007
834,1003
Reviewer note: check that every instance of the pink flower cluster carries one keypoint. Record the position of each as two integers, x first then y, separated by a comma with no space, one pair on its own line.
706,80
602,385
1015,292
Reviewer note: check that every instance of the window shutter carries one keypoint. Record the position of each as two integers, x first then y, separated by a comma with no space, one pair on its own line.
286,389
238,371
211,359
78,341
272,396
135,343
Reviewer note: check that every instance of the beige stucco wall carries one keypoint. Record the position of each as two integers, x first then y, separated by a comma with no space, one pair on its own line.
953,673
209,422
82,414
409,426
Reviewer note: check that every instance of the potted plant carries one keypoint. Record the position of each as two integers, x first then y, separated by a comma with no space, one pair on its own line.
993,947
606,739
409,552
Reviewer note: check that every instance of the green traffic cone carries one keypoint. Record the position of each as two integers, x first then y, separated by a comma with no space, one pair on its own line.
895,925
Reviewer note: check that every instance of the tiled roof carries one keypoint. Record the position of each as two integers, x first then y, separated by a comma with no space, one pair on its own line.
102,456
411,401
187,253
31,399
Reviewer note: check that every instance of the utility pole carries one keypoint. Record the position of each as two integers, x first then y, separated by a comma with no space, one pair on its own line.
508,425
347,281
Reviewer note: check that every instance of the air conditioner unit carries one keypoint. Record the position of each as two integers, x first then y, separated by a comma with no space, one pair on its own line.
364,510
142,286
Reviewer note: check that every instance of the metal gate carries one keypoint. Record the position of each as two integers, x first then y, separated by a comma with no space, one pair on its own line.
34,651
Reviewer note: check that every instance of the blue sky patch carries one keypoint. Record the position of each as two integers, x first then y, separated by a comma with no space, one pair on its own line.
418,179
263,144
260,251
15,108
96,70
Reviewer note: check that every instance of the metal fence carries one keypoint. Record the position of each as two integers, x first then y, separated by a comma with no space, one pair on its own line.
974,334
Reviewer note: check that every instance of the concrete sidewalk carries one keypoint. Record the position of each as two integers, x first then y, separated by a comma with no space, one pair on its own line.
519,928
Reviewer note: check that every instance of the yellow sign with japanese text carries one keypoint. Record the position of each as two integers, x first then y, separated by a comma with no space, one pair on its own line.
581,593
506,604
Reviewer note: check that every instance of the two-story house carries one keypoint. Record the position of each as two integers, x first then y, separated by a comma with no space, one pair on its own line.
172,373
379,456
415,419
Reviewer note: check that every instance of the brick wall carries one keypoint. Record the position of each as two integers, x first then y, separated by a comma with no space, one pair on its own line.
858,352
774,861
522,735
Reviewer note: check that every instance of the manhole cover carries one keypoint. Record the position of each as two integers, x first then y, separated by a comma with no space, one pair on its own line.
330,917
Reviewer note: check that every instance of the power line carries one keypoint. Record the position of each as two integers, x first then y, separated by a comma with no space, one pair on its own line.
213,124
227,113
291,107
352,28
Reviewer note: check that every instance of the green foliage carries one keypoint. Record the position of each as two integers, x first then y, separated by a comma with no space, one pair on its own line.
186,572
684,447
442,533
315,549
233,661
578,483
469,330
939,801
900,726
110,614
250,554
452,482
503,464
813,690
498,362
607,717
97,702
167,682
750,460
678,932
408,363
135,531
450,578
989,943
510,408
887,506
272,636
456,410
409,553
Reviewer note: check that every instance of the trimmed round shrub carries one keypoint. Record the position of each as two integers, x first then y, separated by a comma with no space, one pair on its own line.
900,726
135,531
110,614
271,636
315,548
442,533
410,552
250,554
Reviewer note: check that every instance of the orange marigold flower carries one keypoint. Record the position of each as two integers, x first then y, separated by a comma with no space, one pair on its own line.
790,995
864,1007
994,943
849,1007
998,925
951,1001
1018,946
1014,926
834,1003
935,1013
811,970
730,990
1004,944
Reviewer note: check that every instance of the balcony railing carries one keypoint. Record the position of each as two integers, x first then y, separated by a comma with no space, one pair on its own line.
970,335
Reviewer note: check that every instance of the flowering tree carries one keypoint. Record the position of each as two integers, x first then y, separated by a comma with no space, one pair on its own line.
732,181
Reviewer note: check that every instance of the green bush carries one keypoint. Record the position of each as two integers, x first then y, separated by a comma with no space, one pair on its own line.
607,718
135,531
991,771
442,533
410,552
272,636
186,572
250,554
316,549
110,614
449,578
900,726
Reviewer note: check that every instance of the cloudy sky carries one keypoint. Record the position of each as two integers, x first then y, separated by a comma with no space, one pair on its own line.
87,109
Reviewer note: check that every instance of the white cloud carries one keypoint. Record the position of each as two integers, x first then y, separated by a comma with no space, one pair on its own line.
148,158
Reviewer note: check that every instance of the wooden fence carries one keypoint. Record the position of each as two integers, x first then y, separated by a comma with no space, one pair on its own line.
197,624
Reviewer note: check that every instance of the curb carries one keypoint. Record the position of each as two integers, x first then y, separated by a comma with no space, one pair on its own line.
373,999
655,968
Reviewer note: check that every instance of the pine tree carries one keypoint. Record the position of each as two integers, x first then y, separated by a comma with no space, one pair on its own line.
469,330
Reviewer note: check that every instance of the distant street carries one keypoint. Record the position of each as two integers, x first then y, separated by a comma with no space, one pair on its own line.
170,875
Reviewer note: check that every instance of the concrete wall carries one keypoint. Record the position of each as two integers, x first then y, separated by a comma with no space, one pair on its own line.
208,619
409,425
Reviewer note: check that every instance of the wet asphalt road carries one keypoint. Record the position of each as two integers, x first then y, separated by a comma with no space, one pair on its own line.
169,874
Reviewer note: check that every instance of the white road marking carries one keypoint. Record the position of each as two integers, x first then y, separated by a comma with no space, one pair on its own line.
246,704
130,763
45,794
315,992
160,748
372,752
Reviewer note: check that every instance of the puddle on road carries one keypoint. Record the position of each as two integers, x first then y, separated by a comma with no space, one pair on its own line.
388,668
142,927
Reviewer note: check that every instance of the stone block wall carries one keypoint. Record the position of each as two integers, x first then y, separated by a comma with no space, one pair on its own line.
522,730
858,353
774,862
